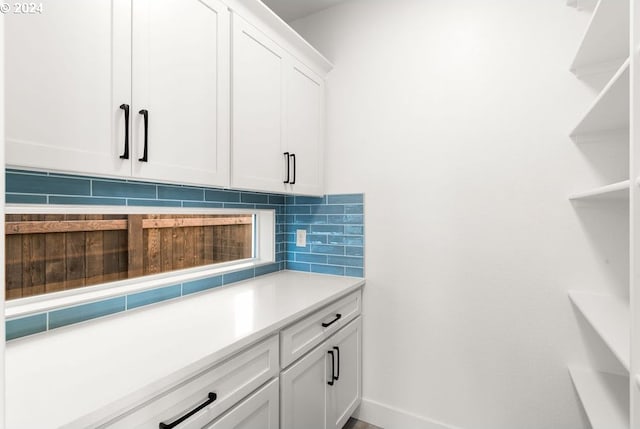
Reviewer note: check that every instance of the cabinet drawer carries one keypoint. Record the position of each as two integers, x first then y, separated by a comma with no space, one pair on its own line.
261,410
299,338
230,381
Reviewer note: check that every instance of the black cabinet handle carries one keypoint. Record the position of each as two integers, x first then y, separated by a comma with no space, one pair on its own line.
125,155
338,316
212,397
293,155
337,376
333,368
145,114
286,155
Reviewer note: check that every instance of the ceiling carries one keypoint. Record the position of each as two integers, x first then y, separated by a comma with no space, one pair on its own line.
290,10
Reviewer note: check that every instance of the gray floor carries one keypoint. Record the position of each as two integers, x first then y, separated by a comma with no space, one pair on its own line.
357,424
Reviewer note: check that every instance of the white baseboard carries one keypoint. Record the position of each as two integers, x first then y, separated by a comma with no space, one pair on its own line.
388,417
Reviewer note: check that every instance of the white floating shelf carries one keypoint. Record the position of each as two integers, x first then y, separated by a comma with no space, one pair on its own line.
615,191
606,39
604,396
610,110
610,318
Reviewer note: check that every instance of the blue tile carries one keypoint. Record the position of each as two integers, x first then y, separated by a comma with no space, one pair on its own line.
353,272
352,219
153,203
239,206
266,269
311,219
345,199
298,266
248,197
310,257
16,328
309,200
278,209
222,196
200,285
298,210
180,193
37,184
25,199
289,200
80,313
327,249
328,269
290,238
349,240
346,261
152,296
280,257
329,229
201,204
53,199
276,199
291,256
354,230
354,251
354,209
102,188
281,238
238,276
332,209
291,247
315,238
285,218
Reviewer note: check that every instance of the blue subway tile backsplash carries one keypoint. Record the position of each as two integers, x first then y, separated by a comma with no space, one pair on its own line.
335,234
334,226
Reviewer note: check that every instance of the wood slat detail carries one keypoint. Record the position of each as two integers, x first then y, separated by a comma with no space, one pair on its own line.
47,227
193,222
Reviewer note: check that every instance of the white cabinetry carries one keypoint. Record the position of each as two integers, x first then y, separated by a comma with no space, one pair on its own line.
67,72
258,106
323,389
181,77
258,411
77,70
278,116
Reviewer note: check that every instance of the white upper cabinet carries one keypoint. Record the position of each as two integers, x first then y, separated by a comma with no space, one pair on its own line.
305,129
77,70
278,117
258,110
181,78
166,90
68,70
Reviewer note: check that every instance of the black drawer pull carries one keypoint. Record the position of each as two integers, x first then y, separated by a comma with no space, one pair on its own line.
125,155
212,397
333,368
286,155
145,114
337,376
293,155
338,316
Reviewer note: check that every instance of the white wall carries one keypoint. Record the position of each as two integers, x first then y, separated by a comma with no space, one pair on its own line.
453,117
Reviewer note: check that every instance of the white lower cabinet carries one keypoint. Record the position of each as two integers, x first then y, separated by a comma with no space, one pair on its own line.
323,389
258,411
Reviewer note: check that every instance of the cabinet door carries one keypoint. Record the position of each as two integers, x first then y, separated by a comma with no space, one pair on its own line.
181,77
258,411
305,128
303,392
67,72
345,395
257,103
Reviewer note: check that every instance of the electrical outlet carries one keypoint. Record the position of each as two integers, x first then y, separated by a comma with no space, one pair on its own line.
301,237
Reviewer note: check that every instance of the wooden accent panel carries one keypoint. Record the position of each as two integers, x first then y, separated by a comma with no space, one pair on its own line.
48,253
35,227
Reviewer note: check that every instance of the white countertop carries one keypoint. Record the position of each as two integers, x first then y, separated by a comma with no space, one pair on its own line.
87,372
